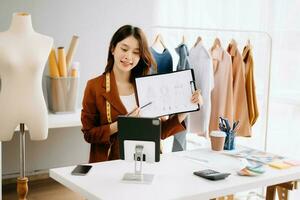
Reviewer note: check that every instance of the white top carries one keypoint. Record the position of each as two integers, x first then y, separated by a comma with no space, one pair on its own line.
129,102
201,62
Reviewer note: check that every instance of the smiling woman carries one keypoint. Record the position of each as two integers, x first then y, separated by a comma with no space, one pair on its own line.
113,94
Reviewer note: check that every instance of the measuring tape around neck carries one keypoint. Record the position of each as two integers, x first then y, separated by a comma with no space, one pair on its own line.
107,88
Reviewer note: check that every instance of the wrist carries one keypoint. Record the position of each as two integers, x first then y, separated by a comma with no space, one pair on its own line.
181,117
113,127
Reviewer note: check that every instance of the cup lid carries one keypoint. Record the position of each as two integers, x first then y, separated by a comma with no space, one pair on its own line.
218,134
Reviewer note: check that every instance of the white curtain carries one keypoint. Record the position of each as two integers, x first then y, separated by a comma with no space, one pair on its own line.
281,20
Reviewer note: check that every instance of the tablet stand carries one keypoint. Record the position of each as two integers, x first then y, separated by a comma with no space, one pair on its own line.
138,176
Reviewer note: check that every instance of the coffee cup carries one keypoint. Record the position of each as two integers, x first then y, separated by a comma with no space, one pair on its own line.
217,139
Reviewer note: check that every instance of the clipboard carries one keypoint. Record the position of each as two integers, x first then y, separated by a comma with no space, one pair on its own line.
169,93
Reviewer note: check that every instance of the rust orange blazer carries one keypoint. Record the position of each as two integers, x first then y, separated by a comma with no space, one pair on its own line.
95,126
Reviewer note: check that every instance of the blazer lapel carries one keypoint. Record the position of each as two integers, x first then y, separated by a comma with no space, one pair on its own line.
113,95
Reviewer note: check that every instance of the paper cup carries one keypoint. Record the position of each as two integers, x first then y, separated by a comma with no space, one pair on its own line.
217,139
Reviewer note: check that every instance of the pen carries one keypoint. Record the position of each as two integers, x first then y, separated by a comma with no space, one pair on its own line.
147,104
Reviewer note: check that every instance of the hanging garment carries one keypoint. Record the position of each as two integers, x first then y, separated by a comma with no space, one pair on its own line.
240,107
222,94
183,53
179,142
163,60
201,63
250,85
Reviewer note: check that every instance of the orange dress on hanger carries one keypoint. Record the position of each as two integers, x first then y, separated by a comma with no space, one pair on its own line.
250,85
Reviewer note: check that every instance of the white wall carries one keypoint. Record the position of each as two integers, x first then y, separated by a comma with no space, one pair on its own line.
94,21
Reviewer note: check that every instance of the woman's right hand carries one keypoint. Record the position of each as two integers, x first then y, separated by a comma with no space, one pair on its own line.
135,112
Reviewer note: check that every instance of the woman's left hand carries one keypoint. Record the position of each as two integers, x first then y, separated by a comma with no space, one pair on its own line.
197,97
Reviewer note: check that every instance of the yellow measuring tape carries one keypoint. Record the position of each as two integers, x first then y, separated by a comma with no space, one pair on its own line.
108,110
107,86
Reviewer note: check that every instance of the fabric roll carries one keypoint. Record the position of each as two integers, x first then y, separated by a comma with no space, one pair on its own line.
62,62
72,50
53,68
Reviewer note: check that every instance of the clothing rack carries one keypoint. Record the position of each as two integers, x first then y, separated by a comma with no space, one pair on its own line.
268,70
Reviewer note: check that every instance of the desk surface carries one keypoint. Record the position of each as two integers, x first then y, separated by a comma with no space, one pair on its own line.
173,178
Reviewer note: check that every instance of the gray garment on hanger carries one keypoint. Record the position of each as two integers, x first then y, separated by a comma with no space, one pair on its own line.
179,142
183,53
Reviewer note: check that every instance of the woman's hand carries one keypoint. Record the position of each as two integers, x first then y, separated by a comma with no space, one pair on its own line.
135,112
196,99
114,126
164,118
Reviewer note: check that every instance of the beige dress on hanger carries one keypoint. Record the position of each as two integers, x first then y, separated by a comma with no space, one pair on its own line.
222,94
240,107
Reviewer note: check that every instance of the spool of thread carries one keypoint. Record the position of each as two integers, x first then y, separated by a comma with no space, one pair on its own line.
74,73
75,69
53,68
72,50
62,62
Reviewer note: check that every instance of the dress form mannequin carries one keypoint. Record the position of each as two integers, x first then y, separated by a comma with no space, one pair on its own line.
23,54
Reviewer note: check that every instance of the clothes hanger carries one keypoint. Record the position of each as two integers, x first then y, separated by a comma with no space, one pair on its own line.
232,47
159,40
246,50
199,39
217,43
233,42
183,39
248,43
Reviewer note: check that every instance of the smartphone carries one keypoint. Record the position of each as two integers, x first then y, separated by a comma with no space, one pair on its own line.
211,174
81,170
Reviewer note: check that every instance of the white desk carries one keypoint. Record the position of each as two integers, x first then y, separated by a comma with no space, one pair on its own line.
173,179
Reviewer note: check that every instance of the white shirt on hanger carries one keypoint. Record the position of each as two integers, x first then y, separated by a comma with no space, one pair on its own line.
201,62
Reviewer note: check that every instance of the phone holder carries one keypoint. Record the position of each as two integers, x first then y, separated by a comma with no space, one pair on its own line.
138,176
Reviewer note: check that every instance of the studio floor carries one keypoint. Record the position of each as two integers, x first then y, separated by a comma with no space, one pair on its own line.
42,189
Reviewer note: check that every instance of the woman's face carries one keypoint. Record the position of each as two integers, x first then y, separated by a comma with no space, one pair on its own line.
126,54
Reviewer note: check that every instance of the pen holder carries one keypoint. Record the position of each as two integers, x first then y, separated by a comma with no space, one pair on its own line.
229,141
62,94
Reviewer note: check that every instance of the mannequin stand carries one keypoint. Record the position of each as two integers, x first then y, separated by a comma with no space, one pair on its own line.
22,181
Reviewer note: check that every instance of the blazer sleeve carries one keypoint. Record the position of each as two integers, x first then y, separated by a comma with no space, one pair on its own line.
171,127
93,131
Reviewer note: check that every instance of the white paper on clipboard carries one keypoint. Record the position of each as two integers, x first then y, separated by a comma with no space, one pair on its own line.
169,93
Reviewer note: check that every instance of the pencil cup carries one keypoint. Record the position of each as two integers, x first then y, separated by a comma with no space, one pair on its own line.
229,141
62,94
217,139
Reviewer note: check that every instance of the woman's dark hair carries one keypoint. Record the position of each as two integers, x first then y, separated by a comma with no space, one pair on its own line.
146,59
